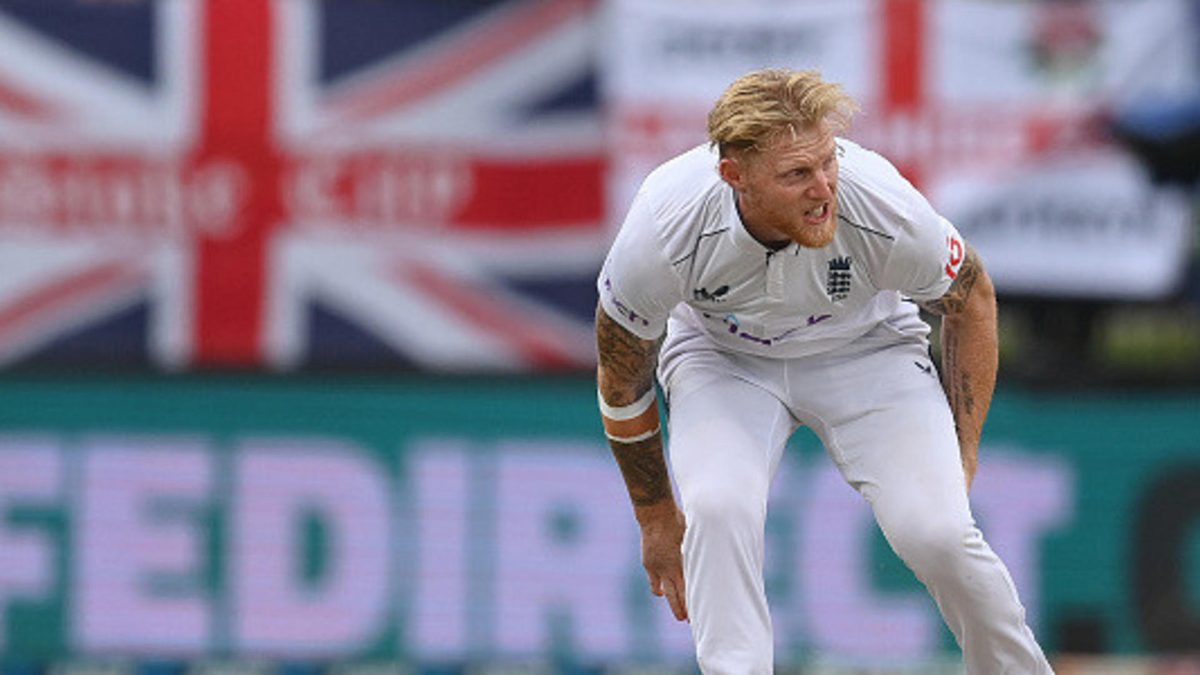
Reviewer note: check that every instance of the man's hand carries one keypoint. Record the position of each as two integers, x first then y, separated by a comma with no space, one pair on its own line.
662,527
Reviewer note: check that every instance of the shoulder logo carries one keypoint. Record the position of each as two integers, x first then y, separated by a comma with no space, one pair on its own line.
837,283
954,261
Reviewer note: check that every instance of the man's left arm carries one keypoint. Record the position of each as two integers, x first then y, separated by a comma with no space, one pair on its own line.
970,353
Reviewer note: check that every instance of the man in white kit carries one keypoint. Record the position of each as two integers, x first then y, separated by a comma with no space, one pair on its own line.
773,276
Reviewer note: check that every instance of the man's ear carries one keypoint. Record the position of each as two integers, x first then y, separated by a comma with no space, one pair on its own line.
731,172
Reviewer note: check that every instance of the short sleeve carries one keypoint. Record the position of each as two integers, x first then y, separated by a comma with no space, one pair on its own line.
638,287
926,257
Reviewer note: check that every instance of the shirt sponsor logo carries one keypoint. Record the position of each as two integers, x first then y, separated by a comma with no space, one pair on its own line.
733,327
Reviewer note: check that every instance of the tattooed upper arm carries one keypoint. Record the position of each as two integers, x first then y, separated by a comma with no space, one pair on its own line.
954,300
626,361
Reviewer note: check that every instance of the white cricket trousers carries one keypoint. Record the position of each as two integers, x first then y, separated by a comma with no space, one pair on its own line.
880,411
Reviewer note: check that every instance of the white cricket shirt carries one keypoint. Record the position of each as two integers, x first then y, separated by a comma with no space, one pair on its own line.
684,253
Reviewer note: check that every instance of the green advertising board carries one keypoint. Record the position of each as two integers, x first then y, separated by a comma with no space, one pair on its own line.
463,520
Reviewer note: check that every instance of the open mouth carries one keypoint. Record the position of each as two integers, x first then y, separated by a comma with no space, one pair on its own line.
817,215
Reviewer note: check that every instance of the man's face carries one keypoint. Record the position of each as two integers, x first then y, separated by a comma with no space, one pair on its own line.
787,191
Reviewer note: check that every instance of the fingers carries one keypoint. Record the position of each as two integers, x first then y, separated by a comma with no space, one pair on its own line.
675,597
671,587
655,584
663,561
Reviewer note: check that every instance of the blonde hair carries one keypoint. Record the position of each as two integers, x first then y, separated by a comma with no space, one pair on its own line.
763,103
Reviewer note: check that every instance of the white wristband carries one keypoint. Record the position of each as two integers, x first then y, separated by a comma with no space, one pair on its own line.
626,412
633,439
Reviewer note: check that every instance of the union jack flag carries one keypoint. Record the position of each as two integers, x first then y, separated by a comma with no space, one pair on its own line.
291,184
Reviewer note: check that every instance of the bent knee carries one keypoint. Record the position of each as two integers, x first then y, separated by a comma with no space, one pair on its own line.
934,547
718,505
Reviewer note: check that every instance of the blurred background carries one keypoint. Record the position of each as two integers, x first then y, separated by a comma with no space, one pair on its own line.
296,354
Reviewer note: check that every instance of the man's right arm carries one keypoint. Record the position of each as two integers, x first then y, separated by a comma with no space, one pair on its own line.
625,377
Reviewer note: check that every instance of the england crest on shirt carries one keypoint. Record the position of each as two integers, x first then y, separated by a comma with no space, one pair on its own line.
837,282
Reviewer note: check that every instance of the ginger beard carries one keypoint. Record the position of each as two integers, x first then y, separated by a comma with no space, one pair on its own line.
787,190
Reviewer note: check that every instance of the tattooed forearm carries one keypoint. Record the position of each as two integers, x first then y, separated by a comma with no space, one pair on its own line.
624,374
644,470
626,361
956,380
955,299
969,354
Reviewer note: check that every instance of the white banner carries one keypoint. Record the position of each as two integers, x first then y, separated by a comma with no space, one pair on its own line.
998,111
1087,225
